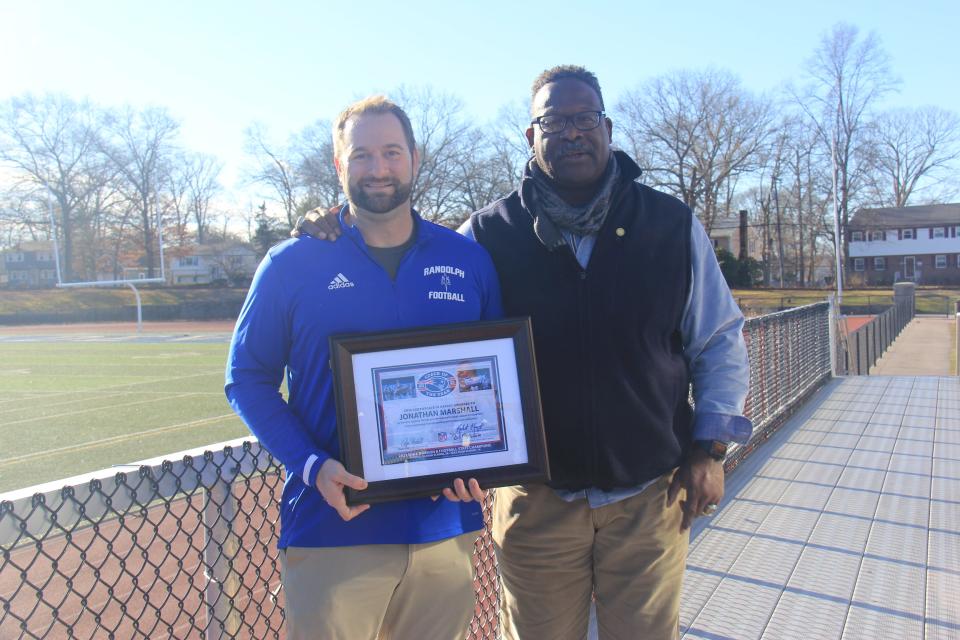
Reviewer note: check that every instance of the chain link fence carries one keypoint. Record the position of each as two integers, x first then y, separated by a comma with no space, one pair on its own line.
186,548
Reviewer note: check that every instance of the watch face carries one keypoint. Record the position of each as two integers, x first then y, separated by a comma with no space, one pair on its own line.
713,448
718,449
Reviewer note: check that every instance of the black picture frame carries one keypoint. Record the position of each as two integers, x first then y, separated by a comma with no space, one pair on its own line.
377,373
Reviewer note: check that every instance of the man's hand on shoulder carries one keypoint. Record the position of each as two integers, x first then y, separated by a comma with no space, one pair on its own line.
702,477
331,480
320,224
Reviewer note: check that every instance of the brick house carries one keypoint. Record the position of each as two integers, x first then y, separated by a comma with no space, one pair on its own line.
30,265
919,244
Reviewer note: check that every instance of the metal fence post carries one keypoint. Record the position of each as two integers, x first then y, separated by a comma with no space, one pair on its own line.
863,367
832,320
221,547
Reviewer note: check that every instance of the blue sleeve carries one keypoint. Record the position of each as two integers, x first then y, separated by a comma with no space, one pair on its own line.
712,329
258,356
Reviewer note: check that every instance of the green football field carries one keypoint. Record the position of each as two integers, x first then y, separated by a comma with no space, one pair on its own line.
68,408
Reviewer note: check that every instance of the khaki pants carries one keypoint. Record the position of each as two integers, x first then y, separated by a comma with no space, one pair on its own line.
554,554
389,591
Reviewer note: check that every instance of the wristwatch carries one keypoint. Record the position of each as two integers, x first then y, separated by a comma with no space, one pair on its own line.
716,449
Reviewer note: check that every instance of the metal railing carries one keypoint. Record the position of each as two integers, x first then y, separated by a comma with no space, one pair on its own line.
861,348
186,548
790,357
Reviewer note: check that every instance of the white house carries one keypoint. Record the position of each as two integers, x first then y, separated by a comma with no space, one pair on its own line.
29,265
208,263
921,244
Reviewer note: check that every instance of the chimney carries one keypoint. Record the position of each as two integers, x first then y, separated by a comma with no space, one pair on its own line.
743,235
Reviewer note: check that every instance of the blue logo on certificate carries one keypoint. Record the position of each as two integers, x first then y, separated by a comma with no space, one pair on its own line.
436,384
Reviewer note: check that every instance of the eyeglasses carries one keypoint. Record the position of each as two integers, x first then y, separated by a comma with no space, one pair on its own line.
583,121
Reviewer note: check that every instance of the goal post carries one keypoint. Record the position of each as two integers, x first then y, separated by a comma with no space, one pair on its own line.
128,282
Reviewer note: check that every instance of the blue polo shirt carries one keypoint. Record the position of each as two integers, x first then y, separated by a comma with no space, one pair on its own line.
306,290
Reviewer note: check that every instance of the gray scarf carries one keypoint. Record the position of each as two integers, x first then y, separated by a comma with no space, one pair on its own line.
553,215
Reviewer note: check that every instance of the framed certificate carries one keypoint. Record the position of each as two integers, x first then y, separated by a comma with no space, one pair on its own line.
418,408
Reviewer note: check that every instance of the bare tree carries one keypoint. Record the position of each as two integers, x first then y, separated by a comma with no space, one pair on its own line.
509,139
485,174
175,205
141,146
911,149
441,131
274,168
312,158
695,133
50,145
97,211
848,76
203,173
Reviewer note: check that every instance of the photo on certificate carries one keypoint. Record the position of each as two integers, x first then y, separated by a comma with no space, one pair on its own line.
447,409
418,408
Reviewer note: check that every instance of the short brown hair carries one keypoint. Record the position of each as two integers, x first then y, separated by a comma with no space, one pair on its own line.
371,104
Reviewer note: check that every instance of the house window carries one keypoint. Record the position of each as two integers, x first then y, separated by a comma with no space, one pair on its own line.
908,234
189,261
939,232
941,261
858,264
46,274
880,263
856,236
958,261
877,236
43,257
13,257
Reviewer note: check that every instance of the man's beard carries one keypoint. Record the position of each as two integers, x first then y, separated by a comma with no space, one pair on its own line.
379,203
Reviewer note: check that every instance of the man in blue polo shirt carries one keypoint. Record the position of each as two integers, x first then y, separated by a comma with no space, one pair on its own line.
401,569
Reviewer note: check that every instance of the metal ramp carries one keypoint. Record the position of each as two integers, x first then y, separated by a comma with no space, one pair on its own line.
846,524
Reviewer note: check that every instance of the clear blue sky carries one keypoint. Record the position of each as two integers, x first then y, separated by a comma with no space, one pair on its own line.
219,66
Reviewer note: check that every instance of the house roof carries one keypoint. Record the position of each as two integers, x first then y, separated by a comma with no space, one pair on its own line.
29,245
919,216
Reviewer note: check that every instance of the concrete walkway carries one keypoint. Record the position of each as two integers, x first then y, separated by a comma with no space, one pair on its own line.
926,346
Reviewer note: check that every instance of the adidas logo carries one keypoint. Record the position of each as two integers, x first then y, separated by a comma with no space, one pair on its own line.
340,282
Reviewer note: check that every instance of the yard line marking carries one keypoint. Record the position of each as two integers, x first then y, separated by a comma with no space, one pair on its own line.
79,411
34,394
112,440
140,382
104,396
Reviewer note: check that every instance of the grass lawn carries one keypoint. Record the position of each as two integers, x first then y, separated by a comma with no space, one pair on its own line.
57,300
73,407
929,299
